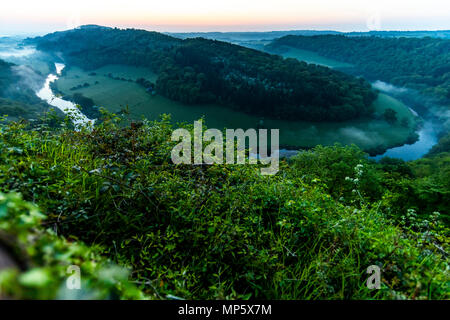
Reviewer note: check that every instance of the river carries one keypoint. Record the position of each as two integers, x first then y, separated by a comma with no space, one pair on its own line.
68,107
428,134
427,139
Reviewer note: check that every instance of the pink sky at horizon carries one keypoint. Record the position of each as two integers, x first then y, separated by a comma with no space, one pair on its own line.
25,16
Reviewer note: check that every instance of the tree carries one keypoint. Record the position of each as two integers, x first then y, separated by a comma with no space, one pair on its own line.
390,115
405,122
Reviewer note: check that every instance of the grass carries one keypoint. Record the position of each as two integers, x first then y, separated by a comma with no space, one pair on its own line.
115,95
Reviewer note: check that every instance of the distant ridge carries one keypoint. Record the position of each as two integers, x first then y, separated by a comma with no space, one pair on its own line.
271,35
252,35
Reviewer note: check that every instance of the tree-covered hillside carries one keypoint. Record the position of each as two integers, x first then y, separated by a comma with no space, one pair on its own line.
418,63
207,71
6,77
17,99
216,231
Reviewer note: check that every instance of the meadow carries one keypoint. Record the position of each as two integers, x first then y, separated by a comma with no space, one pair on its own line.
116,95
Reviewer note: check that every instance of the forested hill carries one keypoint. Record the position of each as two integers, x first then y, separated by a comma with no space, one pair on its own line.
6,76
417,63
207,71
17,99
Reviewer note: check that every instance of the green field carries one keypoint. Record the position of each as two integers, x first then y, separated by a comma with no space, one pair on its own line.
114,95
311,57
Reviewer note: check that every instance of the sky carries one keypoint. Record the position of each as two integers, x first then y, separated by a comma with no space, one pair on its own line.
43,16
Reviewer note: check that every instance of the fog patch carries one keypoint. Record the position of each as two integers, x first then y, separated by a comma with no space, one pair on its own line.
17,53
28,77
428,108
443,115
387,87
356,135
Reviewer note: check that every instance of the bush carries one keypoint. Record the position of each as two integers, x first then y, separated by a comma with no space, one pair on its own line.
45,259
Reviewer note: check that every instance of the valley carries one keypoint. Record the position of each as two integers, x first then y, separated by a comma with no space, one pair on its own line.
90,178
116,95
114,88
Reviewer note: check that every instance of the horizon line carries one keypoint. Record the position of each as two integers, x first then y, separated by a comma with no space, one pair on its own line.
23,33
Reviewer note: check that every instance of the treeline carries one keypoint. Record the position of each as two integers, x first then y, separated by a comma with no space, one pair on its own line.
417,63
197,71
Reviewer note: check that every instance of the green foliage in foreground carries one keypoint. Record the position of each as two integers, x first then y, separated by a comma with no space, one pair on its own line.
218,231
47,257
